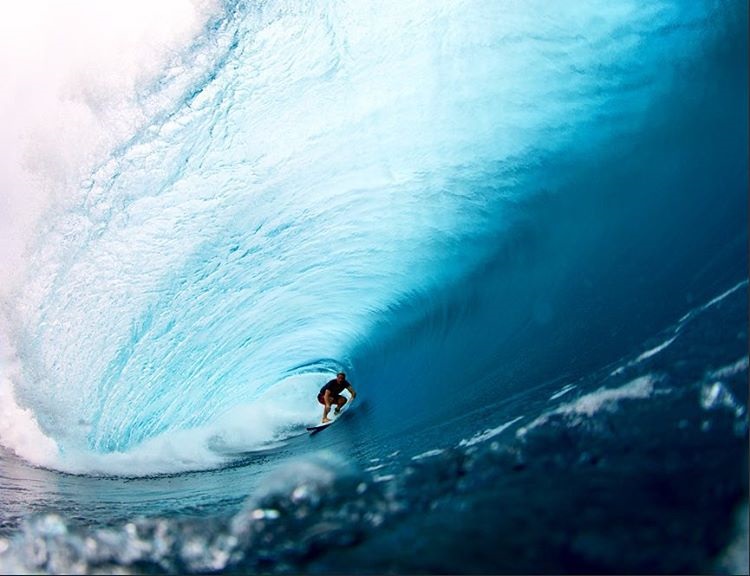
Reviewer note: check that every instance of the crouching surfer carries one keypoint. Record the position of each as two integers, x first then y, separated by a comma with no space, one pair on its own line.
331,394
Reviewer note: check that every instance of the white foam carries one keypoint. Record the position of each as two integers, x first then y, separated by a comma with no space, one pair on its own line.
74,73
714,301
264,424
19,429
428,454
564,390
717,395
20,432
721,297
645,355
607,398
740,366
245,429
71,74
487,434
601,399
384,478
654,351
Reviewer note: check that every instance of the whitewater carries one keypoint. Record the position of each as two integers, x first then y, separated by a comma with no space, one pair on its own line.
519,228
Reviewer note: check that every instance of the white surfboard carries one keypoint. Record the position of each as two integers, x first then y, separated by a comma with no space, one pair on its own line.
319,427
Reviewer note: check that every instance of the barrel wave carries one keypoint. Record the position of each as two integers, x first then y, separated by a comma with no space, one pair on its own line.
464,206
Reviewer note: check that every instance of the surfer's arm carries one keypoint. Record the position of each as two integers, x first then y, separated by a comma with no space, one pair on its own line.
327,398
351,391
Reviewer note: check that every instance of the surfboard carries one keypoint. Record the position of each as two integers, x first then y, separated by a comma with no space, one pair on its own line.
319,427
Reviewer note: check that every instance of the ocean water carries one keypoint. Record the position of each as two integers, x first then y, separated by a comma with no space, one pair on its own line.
519,227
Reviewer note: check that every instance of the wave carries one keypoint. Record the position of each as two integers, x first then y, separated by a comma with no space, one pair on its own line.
418,196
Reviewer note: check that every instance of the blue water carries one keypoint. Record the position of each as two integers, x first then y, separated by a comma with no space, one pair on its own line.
521,229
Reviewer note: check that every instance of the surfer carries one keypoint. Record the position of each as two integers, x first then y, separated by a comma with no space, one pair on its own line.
331,394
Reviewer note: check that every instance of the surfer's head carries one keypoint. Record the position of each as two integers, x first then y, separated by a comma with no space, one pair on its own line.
340,376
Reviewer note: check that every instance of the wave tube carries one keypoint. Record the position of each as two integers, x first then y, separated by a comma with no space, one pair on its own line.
332,179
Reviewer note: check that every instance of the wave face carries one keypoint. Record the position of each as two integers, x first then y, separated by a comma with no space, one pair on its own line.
450,203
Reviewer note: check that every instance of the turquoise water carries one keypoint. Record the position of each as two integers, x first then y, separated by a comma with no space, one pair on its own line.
519,228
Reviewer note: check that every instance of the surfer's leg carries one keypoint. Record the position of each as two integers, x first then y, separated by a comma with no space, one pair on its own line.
326,409
340,401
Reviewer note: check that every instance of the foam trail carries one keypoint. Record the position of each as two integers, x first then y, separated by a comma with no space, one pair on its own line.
713,302
601,399
655,350
244,430
19,429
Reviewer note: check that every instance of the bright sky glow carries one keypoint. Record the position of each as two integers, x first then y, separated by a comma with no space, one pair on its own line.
70,70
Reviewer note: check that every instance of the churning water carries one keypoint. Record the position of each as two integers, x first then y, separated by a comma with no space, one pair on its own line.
519,227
